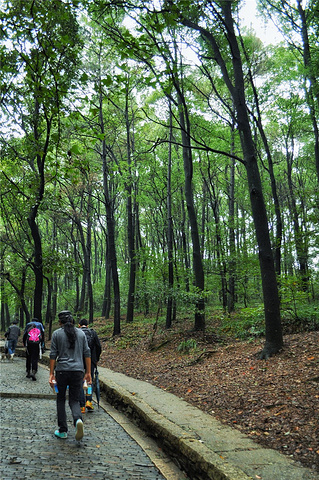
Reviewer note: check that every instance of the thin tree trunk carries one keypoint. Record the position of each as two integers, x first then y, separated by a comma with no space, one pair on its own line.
313,90
169,228
110,228
88,249
197,257
300,242
37,267
232,243
184,243
106,306
130,224
278,238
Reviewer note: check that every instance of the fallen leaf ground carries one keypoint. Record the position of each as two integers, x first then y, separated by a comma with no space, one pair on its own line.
275,402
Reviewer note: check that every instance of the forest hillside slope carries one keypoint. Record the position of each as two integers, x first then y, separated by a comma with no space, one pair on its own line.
275,402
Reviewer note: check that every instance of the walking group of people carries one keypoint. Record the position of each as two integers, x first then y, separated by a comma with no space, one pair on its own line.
75,352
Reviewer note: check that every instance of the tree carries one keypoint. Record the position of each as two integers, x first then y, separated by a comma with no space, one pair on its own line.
234,80
294,21
43,47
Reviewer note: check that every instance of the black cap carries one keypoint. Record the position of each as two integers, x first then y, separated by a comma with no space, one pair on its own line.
65,315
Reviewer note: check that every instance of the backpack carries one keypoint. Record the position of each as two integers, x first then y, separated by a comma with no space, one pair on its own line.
90,337
34,335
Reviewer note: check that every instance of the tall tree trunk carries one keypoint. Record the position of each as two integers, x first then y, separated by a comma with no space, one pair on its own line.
274,339
278,238
88,249
37,264
232,242
197,257
130,221
110,226
5,317
37,267
48,312
86,264
300,241
112,248
20,294
219,250
106,306
184,243
312,92
144,300
169,227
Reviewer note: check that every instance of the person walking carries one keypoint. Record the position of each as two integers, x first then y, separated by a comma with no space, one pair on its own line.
12,335
40,326
32,339
69,347
95,347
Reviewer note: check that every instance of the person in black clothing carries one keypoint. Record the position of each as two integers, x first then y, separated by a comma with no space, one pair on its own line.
12,335
32,348
95,347
40,326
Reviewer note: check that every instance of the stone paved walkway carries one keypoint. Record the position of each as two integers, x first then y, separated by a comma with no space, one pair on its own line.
29,449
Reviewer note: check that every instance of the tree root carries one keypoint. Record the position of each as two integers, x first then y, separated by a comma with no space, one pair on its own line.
206,354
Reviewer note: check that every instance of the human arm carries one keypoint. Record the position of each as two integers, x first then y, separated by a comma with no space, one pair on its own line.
53,356
52,378
87,375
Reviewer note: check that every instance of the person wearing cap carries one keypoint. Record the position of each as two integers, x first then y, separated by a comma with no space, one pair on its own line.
12,335
68,348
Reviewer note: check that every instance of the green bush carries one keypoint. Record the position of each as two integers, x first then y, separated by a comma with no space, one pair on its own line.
304,318
248,322
186,346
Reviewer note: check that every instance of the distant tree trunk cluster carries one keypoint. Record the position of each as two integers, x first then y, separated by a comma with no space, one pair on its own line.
157,159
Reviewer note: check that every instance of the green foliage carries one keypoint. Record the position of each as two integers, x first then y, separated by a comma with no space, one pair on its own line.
128,338
247,322
307,319
298,313
186,346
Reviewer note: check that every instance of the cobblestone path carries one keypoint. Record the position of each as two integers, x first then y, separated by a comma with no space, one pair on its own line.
29,449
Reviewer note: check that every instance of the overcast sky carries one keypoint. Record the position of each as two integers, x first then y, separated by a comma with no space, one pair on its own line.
266,32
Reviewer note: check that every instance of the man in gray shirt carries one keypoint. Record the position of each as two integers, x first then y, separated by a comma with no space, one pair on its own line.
70,364
12,335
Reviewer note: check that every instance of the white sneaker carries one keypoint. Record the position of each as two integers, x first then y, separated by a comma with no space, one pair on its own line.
79,430
11,357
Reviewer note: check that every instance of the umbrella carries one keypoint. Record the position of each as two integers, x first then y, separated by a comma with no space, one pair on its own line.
97,387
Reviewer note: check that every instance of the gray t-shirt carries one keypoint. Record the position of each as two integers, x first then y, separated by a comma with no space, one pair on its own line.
13,332
69,359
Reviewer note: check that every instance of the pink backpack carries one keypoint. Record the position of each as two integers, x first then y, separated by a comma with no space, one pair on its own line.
34,335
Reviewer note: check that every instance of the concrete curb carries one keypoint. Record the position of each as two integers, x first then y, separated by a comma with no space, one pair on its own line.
194,457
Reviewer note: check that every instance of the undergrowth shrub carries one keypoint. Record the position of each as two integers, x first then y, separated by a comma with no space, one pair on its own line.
247,322
186,346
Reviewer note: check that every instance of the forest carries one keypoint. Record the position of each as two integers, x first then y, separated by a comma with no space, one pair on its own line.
158,158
